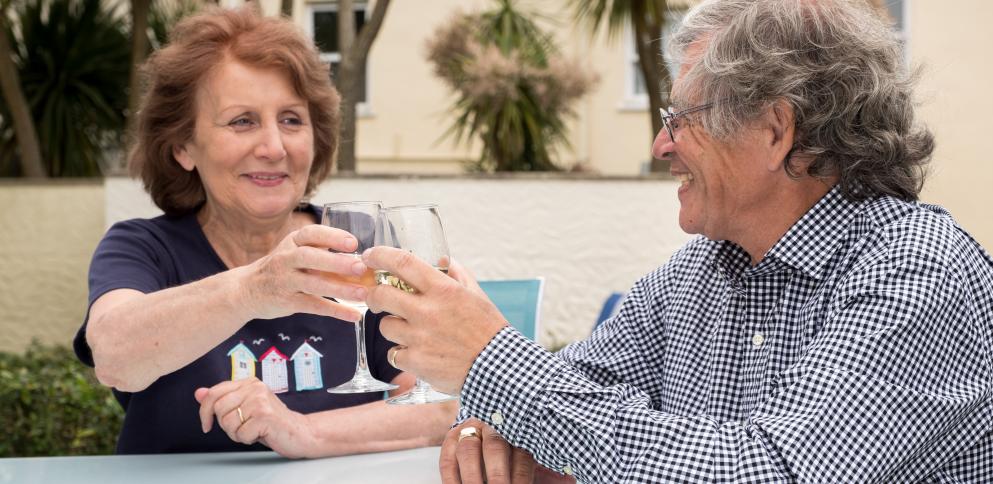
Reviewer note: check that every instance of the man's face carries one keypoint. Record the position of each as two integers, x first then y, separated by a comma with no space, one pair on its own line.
725,186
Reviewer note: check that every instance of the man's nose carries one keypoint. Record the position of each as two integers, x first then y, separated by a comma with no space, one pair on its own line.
663,145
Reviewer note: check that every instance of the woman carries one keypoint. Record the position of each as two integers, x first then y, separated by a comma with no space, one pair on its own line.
239,124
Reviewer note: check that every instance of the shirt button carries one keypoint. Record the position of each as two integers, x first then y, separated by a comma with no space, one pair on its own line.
758,339
567,470
497,418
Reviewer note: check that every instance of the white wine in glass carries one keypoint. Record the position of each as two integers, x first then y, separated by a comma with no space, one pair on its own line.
362,220
418,230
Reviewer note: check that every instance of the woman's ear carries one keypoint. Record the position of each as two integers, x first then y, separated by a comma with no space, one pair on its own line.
182,156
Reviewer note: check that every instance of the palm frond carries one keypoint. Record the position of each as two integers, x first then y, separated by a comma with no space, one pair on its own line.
73,58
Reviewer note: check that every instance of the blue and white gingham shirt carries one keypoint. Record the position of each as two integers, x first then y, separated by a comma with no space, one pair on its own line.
857,350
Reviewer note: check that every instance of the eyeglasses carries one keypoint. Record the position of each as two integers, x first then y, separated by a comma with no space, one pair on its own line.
670,119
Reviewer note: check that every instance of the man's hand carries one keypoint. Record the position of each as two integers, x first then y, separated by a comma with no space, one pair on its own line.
483,458
442,327
488,458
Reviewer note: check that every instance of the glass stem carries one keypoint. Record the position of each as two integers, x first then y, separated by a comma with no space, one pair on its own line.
361,361
420,386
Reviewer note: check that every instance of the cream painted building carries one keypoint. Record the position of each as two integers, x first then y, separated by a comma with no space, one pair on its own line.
407,108
49,230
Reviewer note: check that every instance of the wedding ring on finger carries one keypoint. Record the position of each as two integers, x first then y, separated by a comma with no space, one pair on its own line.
391,355
469,432
241,416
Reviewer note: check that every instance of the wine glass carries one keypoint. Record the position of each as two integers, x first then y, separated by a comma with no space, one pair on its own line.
416,229
361,219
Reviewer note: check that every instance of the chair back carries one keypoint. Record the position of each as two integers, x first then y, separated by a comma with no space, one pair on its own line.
519,300
610,307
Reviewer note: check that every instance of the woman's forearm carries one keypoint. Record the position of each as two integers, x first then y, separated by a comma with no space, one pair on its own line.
378,427
136,338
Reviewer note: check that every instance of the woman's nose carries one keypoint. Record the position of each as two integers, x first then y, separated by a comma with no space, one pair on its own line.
270,145
663,145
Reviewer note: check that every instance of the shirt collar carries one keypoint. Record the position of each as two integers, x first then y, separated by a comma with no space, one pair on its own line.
809,244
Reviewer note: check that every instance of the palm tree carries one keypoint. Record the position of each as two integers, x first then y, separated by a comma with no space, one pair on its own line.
514,89
17,105
73,64
647,18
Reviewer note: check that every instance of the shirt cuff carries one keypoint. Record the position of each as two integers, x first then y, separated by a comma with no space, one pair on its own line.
505,383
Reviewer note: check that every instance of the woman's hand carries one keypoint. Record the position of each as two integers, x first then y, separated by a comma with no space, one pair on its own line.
300,273
249,412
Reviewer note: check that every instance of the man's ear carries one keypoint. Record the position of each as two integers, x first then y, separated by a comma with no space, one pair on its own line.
182,156
780,121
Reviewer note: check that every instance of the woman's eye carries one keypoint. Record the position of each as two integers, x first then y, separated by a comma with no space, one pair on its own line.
292,121
241,122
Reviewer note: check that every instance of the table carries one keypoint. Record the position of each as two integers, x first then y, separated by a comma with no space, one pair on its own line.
407,466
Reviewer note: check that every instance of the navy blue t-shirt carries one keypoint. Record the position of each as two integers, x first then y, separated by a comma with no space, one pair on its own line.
297,356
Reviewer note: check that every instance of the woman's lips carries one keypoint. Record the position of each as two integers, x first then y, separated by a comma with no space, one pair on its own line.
266,179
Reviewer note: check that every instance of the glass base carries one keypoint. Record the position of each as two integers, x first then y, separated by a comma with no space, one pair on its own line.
419,395
363,384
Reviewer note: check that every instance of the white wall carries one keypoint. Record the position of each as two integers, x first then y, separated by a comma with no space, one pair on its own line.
587,237
951,40
48,231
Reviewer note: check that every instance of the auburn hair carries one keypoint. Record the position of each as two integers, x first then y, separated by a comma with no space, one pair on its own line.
198,44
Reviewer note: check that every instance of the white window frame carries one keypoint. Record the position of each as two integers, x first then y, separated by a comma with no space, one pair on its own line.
363,109
632,100
635,101
903,35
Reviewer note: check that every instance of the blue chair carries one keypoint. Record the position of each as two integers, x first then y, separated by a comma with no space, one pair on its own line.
519,300
610,308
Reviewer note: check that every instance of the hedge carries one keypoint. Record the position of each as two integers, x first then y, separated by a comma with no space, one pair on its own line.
51,404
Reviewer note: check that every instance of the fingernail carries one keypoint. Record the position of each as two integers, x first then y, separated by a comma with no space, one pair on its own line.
360,293
358,268
365,254
351,242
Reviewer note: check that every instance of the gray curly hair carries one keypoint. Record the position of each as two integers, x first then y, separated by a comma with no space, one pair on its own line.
836,63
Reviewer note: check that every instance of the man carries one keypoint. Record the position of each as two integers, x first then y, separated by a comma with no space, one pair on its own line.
825,327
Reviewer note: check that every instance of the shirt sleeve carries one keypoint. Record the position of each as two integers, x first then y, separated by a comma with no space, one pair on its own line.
377,347
128,257
873,399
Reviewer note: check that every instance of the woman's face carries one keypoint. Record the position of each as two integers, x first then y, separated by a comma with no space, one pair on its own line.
253,144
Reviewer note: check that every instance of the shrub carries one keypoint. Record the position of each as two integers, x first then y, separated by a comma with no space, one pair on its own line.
51,404
514,89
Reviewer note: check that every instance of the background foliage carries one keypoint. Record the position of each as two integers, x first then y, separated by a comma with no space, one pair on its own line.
51,404
73,57
74,61
513,88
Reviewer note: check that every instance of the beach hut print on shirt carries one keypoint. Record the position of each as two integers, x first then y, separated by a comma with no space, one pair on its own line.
274,370
242,362
307,368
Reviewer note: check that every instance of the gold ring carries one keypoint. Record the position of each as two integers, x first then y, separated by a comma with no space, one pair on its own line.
469,432
241,416
391,356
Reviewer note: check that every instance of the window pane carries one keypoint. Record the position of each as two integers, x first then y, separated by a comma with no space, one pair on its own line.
359,18
673,18
895,8
326,31
326,28
639,80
